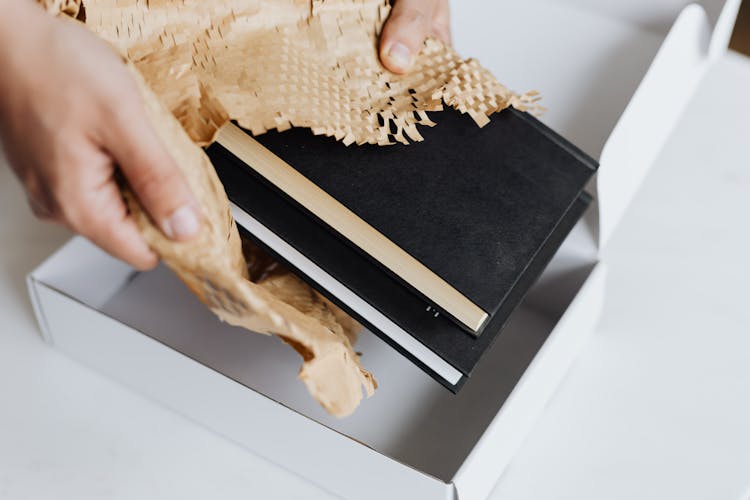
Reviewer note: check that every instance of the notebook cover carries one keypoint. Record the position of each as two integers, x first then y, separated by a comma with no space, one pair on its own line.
483,208
457,201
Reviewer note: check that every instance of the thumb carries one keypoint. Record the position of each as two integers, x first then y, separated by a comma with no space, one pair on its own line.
153,175
409,23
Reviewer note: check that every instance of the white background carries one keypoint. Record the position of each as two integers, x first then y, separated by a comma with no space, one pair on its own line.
657,405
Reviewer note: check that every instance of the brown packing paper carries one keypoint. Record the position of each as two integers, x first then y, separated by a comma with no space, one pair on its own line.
67,7
274,64
255,293
274,301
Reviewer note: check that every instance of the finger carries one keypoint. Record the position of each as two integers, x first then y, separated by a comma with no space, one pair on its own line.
38,195
100,215
39,209
153,175
404,33
441,22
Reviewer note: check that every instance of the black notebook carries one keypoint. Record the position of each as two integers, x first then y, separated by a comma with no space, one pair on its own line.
430,245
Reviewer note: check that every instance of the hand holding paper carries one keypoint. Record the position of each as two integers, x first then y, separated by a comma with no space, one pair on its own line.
198,65
70,114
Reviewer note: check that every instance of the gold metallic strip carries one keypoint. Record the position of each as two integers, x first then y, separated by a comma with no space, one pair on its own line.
350,226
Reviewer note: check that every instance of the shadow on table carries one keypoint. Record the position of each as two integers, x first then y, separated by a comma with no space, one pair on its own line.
26,242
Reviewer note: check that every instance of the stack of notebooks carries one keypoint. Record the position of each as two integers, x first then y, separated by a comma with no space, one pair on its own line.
431,245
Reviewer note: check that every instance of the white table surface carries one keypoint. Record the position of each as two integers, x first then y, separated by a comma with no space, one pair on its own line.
656,406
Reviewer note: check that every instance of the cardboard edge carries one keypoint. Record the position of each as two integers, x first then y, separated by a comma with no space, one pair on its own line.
724,28
486,462
650,116
33,280
36,304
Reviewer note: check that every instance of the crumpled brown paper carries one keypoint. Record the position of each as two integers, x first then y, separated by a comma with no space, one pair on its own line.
274,64
278,303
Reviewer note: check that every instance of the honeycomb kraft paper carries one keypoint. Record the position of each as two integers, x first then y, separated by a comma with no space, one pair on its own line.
276,64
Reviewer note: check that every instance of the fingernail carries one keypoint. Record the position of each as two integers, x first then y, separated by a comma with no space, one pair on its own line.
183,224
400,56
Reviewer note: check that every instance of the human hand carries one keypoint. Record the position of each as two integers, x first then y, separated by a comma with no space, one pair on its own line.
410,22
71,116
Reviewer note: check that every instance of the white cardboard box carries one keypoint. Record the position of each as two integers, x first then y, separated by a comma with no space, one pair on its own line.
614,84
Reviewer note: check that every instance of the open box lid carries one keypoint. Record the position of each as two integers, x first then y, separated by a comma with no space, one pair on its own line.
611,111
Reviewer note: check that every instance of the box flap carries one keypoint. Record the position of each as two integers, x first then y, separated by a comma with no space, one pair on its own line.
480,471
723,26
656,106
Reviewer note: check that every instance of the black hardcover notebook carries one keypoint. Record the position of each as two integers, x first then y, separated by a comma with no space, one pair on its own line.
430,245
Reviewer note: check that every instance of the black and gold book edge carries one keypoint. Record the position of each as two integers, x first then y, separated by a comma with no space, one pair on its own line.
346,223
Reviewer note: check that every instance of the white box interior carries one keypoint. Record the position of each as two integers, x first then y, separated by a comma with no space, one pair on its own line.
588,69
411,418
